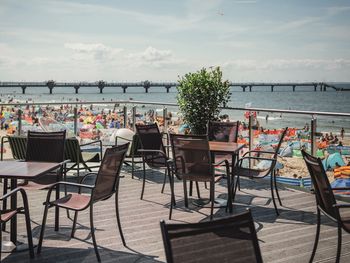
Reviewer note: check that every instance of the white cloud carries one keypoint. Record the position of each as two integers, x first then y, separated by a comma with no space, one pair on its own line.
152,57
281,64
96,51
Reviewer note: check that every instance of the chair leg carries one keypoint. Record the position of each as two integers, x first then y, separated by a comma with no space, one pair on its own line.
276,188
74,223
191,188
42,228
171,181
4,202
205,185
273,195
185,193
198,193
132,166
118,219
29,233
164,181
339,244
212,199
144,179
93,233
317,235
1,225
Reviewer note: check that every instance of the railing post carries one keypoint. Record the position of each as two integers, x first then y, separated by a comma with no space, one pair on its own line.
75,121
165,116
133,117
125,112
251,137
313,135
19,121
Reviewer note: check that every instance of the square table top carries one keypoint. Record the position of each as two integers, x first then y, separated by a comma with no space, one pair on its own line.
25,170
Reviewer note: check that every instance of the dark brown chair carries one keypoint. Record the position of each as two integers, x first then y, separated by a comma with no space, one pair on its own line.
231,239
255,173
192,162
106,184
6,215
45,147
153,152
326,202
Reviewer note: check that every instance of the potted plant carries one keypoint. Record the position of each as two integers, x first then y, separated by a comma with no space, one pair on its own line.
200,96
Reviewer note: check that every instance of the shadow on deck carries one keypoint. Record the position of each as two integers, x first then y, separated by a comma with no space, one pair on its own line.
286,238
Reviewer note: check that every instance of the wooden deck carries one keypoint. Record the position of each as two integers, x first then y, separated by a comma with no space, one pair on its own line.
287,238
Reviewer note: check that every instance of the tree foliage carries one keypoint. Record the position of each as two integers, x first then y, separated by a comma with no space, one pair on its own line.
200,96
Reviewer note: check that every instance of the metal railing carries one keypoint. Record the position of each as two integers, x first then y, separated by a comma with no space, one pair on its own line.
127,104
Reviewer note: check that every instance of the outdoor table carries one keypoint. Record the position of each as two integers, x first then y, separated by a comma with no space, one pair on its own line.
15,170
229,148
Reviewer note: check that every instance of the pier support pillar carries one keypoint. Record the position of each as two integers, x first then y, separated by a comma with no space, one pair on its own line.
272,86
243,87
293,88
146,85
23,89
167,88
76,89
315,87
50,84
250,88
124,88
101,85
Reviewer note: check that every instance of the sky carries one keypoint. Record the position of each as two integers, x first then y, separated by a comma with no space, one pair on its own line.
160,40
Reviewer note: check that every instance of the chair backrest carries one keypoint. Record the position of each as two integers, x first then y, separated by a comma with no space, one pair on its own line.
191,155
231,239
324,195
72,150
18,145
151,139
108,174
223,131
45,146
135,146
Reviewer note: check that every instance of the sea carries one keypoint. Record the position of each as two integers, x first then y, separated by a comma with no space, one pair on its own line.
304,98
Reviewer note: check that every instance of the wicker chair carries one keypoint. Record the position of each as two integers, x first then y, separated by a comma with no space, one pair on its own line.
231,239
6,215
325,201
192,161
106,184
153,152
253,173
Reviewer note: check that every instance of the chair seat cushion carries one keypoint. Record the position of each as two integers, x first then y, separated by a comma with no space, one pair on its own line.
8,215
73,201
91,157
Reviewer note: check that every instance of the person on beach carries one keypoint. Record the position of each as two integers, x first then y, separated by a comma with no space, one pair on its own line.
342,132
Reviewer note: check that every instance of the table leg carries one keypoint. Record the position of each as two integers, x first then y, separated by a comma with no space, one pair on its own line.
13,234
232,184
57,209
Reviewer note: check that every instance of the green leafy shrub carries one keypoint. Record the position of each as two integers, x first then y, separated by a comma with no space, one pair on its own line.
200,96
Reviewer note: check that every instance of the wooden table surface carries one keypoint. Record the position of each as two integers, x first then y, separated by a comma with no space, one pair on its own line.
25,170
225,147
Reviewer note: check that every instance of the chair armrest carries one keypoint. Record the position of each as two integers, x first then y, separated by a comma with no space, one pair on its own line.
85,176
257,151
120,137
341,206
92,142
14,191
340,188
227,165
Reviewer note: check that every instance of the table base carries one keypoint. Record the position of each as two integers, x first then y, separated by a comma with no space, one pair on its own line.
8,246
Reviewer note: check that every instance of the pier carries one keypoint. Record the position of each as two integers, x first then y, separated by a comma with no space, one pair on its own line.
146,85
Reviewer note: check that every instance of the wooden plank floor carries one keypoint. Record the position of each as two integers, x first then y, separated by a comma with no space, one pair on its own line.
287,238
